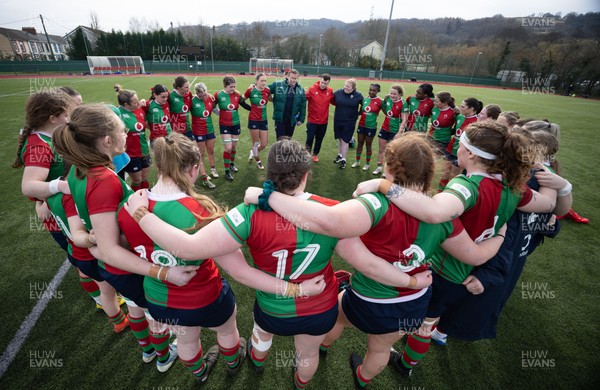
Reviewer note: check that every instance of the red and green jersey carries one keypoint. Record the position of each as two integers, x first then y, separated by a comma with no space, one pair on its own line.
101,191
401,240
201,120
370,111
179,106
288,253
442,124
158,120
393,111
37,151
488,205
228,104
461,124
135,124
258,103
62,208
181,211
419,113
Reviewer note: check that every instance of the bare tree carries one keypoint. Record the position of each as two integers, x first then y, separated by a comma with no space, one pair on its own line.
94,22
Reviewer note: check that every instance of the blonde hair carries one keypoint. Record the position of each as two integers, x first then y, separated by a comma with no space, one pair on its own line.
173,155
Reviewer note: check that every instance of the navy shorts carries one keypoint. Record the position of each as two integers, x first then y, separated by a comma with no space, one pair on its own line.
209,316
344,130
189,134
367,132
232,130
258,125
439,146
88,267
445,295
203,138
314,325
131,286
377,318
137,164
451,157
386,135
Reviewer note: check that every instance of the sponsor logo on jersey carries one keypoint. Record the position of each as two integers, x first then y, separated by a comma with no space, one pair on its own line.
185,108
368,109
262,102
373,200
231,106
236,217
139,126
205,113
390,113
462,189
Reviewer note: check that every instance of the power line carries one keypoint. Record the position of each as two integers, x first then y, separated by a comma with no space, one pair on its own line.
16,21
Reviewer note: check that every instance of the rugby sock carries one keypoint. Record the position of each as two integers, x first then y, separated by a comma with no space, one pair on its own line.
416,348
226,160
368,160
231,355
117,318
257,362
161,344
324,347
204,178
233,152
358,155
442,185
145,184
255,149
298,382
196,365
91,287
139,327
359,378
136,186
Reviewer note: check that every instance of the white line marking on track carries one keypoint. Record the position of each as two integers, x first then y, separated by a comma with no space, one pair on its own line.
27,325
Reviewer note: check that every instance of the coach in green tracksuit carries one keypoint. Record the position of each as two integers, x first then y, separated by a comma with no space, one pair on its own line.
289,104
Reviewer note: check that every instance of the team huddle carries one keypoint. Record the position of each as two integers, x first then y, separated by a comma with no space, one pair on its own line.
425,267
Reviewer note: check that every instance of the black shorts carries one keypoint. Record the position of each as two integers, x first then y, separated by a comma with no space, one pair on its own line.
378,318
386,135
440,147
451,157
344,130
131,286
314,325
258,125
366,131
88,267
445,295
138,163
209,316
232,130
204,137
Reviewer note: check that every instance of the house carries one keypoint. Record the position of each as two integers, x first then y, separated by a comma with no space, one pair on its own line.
27,44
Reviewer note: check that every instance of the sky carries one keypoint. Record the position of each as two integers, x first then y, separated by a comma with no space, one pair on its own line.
62,16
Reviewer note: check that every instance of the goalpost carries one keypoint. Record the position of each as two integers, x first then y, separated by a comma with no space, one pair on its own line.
115,64
270,66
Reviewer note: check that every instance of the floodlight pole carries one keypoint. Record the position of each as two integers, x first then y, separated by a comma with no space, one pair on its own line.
474,67
387,33
319,55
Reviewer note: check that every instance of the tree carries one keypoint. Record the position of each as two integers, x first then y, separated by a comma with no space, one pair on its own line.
77,50
94,22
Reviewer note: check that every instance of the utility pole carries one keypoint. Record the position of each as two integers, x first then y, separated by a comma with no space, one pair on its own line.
48,39
387,33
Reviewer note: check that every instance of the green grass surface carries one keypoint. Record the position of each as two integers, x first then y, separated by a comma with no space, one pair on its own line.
563,326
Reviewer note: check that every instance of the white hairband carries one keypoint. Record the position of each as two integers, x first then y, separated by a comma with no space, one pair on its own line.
474,149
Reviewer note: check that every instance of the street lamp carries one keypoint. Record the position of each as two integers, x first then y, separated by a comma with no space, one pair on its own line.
319,55
409,50
474,67
385,42
212,52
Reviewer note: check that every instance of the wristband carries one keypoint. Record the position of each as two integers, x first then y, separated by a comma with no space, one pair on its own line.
566,190
384,186
263,199
412,283
500,235
154,270
53,186
140,213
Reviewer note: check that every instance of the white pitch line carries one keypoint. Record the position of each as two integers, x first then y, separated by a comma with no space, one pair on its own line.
27,325
192,83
